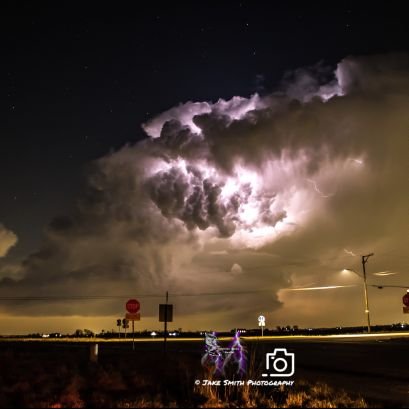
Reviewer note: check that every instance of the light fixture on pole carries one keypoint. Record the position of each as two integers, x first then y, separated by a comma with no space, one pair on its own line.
364,261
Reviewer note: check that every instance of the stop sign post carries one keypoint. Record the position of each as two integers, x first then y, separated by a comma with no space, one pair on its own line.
132,306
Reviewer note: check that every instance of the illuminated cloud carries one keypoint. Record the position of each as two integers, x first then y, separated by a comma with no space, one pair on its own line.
7,240
277,185
184,114
236,268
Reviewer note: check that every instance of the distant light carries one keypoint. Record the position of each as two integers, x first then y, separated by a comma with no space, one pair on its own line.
153,333
329,287
384,273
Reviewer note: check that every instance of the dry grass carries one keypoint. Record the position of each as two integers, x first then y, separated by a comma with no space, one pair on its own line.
64,378
301,394
305,395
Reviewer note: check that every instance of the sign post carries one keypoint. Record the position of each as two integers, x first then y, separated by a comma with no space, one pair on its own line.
125,324
262,323
132,306
165,315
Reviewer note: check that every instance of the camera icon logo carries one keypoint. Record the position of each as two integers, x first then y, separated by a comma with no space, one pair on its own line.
280,363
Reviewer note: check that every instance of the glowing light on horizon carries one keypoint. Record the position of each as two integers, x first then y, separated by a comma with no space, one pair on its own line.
385,273
329,287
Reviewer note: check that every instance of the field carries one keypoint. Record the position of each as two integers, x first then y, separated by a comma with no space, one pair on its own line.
61,374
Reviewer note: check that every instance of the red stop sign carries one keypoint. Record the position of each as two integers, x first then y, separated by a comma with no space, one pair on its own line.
405,299
132,306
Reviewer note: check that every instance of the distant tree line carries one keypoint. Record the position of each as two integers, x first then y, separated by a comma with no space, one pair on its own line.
279,330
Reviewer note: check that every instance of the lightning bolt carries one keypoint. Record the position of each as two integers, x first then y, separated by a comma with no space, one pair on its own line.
316,188
351,253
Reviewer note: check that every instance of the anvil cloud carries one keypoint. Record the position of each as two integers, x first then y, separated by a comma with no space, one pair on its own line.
263,192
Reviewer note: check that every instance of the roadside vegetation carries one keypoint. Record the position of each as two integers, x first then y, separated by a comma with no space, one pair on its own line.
62,376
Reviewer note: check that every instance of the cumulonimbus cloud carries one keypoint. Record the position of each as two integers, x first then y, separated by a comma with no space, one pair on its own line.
236,180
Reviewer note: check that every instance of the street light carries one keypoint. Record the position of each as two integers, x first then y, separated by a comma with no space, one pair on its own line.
364,261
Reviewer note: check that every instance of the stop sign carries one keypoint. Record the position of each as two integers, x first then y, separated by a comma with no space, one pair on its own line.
132,306
405,299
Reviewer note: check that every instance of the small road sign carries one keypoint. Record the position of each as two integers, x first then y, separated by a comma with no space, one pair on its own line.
133,317
165,312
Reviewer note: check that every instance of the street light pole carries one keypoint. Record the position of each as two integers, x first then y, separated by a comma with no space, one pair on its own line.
364,261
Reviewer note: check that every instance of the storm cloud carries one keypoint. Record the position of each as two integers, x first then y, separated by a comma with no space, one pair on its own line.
258,193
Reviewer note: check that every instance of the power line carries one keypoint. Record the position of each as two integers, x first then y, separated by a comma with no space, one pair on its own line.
124,296
203,294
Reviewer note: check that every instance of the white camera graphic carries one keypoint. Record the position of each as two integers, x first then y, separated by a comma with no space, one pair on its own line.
280,363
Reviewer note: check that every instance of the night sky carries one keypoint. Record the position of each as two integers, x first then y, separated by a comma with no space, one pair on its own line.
78,83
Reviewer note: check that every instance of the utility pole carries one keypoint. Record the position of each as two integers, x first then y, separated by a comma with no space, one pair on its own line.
165,335
364,261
